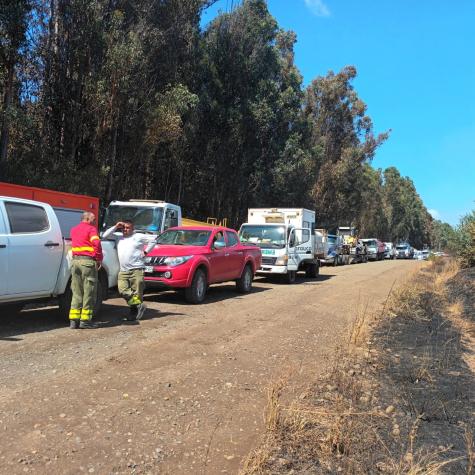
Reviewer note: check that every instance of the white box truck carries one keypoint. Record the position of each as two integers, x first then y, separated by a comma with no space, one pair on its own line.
287,240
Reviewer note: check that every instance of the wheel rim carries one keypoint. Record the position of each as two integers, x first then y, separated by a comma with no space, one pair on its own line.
200,287
247,278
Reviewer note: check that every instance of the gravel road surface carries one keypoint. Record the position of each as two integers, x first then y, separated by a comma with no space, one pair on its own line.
182,391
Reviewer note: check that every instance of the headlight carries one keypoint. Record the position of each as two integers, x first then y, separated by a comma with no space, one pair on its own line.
175,261
282,261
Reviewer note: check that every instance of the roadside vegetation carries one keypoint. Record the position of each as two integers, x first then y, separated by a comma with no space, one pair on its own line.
141,99
399,397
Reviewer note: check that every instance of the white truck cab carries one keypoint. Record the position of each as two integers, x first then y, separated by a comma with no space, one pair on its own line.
148,216
286,237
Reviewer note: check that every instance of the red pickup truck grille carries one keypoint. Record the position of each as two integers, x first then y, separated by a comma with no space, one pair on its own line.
155,261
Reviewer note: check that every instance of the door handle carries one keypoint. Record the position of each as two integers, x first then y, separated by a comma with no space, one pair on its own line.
51,244
227,254
3,246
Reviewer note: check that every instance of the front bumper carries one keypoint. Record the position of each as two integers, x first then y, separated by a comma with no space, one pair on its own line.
267,269
178,279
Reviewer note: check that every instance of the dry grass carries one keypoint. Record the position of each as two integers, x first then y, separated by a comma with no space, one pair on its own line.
372,413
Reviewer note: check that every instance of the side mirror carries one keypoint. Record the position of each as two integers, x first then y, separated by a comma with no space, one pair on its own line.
219,245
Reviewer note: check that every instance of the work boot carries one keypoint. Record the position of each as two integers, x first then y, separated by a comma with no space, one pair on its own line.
87,325
73,324
133,311
140,311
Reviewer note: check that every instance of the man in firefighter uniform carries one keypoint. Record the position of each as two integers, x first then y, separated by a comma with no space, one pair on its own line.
87,259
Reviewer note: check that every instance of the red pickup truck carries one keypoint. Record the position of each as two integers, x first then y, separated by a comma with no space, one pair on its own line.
192,258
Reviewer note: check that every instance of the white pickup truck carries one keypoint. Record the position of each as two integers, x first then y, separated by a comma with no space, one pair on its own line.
35,257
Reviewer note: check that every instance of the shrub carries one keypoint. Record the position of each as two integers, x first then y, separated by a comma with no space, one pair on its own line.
466,240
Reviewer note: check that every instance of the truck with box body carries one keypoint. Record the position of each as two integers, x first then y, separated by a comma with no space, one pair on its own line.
287,240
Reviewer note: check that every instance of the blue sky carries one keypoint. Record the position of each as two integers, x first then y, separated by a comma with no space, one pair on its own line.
416,72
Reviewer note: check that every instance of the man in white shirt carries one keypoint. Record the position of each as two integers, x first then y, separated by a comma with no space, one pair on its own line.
131,252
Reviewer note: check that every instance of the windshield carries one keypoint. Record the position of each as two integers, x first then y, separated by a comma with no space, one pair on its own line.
370,243
401,248
264,236
144,218
332,239
184,237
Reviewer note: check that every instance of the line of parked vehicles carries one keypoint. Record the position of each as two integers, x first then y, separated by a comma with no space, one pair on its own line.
35,246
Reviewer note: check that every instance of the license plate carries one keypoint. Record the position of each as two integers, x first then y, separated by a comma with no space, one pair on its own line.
149,269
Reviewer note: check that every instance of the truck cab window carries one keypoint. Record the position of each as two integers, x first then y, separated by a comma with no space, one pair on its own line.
232,238
25,218
68,218
219,238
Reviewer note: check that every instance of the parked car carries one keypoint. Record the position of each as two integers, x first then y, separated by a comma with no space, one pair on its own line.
425,254
404,251
375,249
417,255
192,258
35,255
389,250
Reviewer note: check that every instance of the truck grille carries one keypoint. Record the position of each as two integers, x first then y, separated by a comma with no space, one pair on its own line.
154,261
268,261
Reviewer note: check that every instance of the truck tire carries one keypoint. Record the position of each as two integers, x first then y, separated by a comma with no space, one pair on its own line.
244,283
65,299
102,287
290,277
65,302
312,271
196,293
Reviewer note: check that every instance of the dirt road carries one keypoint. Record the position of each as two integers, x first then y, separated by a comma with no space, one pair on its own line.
182,391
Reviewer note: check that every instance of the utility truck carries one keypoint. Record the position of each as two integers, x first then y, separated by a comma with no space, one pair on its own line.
353,250
287,240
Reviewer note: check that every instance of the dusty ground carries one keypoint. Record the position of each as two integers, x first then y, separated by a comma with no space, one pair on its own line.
183,391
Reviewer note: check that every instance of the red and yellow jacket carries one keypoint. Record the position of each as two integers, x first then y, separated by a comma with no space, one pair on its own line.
86,242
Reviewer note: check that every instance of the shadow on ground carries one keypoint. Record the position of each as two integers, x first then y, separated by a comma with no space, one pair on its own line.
215,294
43,319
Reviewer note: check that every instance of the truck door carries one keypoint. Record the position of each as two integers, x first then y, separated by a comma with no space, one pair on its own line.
300,247
35,248
218,259
3,254
234,256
